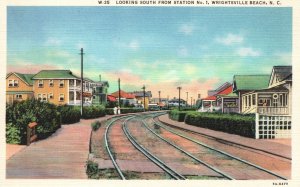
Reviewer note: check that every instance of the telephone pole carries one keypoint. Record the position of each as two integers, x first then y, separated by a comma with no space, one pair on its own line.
119,82
179,88
81,95
144,93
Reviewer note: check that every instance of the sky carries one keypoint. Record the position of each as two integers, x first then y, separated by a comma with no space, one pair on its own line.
197,48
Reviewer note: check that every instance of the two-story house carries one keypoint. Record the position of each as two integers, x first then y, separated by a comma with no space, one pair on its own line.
18,87
55,86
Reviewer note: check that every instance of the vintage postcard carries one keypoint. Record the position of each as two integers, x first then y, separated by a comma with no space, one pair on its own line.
137,92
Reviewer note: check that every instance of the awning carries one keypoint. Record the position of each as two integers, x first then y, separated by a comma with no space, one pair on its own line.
86,94
111,98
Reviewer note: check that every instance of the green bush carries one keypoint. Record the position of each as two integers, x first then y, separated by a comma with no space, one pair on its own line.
22,113
177,115
95,111
13,134
69,114
96,125
243,125
131,110
109,111
92,170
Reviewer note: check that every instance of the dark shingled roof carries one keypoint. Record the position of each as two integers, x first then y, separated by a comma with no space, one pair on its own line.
282,72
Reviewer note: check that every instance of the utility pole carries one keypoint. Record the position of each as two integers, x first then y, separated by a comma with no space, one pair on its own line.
81,96
179,88
144,93
159,97
187,97
119,82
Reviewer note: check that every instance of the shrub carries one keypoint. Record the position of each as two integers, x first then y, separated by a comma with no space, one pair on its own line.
243,125
109,111
177,115
90,112
96,125
22,113
92,170
131,110
69,114
13,134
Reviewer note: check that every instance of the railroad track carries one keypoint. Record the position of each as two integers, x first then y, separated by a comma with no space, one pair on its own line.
189,154
174,174
242,146
216,150
108,149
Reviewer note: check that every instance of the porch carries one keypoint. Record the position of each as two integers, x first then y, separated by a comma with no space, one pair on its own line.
267,103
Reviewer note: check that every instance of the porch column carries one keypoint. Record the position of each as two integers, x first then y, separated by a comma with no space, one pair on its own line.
256,99
211,106
222,105
75,91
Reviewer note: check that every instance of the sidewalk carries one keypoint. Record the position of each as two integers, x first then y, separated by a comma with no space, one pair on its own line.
279,146
62,155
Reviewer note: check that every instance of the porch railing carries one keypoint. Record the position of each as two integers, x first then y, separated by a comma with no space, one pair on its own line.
273,110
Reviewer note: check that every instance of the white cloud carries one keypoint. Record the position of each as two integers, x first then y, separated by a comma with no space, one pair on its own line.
53,42
248,51
230,39
134,45
187,29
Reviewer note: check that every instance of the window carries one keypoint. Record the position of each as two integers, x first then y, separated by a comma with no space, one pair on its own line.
50,95
41,83
39,97
253,99
94,97
44,97
13,83
51,83
61,83
10,83
61,97
19,96
16,83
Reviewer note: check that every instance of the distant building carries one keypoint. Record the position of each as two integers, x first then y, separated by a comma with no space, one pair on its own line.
125,98
139,96
175,102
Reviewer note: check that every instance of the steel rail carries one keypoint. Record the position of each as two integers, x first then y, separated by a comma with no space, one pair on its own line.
108,149
241,146
222,152
189,154
149,155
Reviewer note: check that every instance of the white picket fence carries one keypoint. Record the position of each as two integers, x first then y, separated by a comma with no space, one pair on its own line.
272,126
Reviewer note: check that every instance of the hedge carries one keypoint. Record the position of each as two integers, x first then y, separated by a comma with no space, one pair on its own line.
95,111
243,125
69,114
177,115
20,114
131,110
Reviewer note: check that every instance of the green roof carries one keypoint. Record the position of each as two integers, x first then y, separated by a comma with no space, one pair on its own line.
26,78
231,95
250,82
54,74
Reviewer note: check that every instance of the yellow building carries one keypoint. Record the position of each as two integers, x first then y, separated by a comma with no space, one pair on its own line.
54,86
139,96
18,87
59,87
